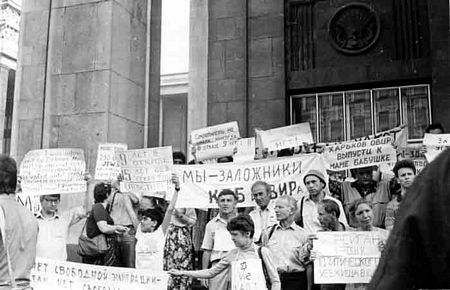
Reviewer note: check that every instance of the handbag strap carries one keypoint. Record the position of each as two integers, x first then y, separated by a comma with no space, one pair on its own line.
112,203
8,257
264,267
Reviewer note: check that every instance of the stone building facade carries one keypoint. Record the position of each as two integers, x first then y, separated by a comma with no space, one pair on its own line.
89,70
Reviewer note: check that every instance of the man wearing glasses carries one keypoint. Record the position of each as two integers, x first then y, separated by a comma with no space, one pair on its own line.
54,227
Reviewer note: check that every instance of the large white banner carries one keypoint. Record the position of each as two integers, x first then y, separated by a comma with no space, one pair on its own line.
356,154
107,166
200,184
54,275
286,137
215,141
146,171
53,171
346,257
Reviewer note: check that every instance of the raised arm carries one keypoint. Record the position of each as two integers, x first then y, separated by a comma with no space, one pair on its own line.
171,207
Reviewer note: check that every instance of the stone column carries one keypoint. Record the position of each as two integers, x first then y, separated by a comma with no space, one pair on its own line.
82,75
4,73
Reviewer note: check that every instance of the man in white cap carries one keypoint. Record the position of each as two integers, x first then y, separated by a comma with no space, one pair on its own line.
307,216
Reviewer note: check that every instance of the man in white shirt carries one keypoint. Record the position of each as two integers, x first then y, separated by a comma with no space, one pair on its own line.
54,227
263,215
217,240
307,216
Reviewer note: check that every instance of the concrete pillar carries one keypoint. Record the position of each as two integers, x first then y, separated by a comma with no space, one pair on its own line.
4,73
82,75
198,66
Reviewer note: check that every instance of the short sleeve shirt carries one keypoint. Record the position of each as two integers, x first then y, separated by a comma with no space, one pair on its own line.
98,213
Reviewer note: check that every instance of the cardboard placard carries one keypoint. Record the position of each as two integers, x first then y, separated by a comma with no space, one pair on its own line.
107,166
215,141
146,171
53,171
286,137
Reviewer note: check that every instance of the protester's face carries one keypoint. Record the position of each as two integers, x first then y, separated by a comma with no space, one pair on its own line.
226,203
283,210
147,224
261,196
364,175
50,204
364,215
178,161
325,219
239,239
313,185
405,177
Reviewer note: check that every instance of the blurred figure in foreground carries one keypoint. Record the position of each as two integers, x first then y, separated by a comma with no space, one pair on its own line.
417,254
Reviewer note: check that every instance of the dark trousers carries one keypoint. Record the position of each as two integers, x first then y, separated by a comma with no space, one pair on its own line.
293,281
126,249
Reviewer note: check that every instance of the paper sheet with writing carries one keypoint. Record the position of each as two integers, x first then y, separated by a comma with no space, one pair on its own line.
435,144
356,154
286,137
53,171
215,141
346,257
54,275
146,171
245,150
200,184
107,166
247,275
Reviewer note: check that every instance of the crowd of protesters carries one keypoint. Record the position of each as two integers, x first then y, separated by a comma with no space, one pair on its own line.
150,233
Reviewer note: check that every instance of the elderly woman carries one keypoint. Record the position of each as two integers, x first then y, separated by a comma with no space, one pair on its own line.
241,229
100,222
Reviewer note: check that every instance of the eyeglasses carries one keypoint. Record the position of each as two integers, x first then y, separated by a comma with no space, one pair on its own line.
55,201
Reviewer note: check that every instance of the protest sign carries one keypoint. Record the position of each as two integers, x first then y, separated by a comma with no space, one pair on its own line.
107,166
346,257
356,154
54,275
415,154
215,141
146,171
435,144
245,150
247,275
200,184
286,137
53,171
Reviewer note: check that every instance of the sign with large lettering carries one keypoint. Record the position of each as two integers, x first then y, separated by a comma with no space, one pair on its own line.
435,144
54,275
146,171
215,141
200,184
53,171
346,257
356,154
107,166
247,275
286,137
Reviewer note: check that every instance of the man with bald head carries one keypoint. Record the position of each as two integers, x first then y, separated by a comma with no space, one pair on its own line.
263,215
285,239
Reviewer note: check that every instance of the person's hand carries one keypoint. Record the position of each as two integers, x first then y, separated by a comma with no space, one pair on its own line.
381,246
176,272
193,150
178,212
313,255
87,176
235,150
175,180
120,229
204,283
